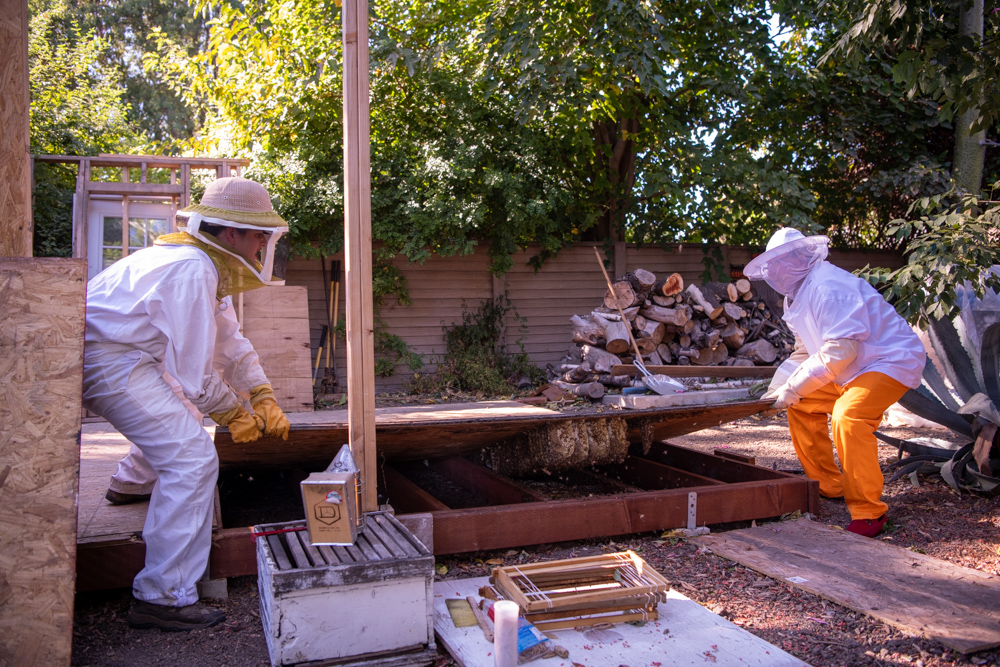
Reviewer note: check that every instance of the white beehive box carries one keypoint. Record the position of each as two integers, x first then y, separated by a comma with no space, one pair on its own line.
372,598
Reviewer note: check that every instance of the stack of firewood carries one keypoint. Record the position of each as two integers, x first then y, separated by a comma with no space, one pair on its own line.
715,324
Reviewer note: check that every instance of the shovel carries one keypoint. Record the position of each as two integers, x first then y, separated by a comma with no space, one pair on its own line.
661,384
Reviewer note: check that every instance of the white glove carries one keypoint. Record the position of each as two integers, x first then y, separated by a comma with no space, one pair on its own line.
822,368
784,397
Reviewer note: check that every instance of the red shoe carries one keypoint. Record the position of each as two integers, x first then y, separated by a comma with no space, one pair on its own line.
867,527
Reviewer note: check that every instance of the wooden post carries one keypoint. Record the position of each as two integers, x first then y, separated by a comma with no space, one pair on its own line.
15,157
358,251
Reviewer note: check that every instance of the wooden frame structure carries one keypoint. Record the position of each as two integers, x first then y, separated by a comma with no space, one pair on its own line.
178,190
670,487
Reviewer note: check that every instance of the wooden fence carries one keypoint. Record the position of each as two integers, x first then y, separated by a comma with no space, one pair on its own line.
570,284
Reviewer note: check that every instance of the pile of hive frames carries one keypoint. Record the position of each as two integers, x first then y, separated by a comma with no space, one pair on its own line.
577,592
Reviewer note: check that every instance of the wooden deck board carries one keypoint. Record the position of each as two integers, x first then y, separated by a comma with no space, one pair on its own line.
954,605
440,431
101,447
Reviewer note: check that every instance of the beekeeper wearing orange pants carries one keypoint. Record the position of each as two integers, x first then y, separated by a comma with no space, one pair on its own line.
854,357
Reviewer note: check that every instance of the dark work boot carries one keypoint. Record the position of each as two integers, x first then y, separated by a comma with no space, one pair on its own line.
116,498
173,619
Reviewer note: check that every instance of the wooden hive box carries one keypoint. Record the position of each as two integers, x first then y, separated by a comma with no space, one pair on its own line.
368,603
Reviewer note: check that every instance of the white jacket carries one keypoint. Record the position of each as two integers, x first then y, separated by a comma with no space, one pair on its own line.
162,301
833,304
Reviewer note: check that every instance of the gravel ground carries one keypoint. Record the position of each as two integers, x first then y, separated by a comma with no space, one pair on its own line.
930,519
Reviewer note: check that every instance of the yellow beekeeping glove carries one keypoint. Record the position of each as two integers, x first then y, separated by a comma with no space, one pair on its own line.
241,423
266,408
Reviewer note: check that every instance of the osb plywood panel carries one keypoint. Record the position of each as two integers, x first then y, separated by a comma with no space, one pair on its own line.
276,321
41,379
15,159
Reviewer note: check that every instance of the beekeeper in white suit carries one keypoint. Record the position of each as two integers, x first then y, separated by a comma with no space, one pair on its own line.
167,309
855,357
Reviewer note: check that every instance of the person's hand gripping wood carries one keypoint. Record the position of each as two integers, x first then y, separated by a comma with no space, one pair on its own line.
270,418
241,424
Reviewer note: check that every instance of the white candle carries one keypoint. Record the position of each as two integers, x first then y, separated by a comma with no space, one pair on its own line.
505,633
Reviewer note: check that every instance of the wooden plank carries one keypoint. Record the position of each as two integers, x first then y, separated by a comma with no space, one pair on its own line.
116,188
41,378
698,371
15,160
709,465
441,431
918,594
275,321
484,483
358,246
407,497
483,528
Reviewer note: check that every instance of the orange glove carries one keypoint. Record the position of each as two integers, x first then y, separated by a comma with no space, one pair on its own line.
266,408
241,423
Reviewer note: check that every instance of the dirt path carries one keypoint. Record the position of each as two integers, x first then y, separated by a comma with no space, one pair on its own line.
932,519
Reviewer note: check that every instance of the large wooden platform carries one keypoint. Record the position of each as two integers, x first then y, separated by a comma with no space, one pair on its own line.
438,431
669,487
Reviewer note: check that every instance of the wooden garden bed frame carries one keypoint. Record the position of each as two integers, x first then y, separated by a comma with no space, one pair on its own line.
676,487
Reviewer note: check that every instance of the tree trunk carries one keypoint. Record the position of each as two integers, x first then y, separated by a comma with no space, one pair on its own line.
970,153
706,300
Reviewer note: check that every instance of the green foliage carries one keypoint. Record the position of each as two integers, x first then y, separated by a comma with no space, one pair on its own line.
952,242
476,357
77,108
931,58
390,351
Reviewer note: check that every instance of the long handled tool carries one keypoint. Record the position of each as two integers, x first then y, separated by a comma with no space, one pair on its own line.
319,352
661,384
334,306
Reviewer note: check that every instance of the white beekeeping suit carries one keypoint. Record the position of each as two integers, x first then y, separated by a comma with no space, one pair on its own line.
167,311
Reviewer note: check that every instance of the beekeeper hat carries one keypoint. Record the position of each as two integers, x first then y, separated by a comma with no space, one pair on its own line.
243,204
789,258
782,242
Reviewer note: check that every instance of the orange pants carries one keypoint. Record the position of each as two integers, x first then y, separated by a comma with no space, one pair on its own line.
856,411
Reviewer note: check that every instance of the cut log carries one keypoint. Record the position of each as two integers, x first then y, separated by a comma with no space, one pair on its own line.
651,330
733,311
706,300
616,334
743,361
609,380
664,351
665,301
707,356
669,286
641,280
743,286
654,358
623,297
675,316
599,360
759,351
587,329
732,292
586,389
733,337
646,346
709,338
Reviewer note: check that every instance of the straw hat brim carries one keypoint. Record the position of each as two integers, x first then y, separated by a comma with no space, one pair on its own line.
256,218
